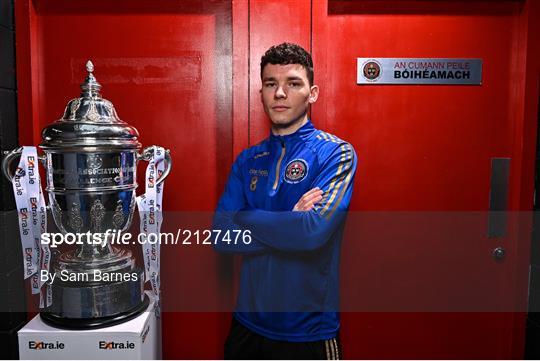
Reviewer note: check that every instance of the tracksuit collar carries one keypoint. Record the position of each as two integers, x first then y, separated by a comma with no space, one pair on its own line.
303,132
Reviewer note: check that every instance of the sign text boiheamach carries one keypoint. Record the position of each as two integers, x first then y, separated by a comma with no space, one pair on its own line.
419,71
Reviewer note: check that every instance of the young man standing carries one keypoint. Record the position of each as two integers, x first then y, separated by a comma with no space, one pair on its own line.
291,191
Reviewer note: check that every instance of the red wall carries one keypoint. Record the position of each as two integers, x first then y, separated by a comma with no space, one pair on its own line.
186,74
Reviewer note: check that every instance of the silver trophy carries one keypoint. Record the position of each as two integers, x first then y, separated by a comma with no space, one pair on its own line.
91,165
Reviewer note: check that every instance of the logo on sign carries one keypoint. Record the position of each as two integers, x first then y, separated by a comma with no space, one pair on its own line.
28,255
151,182
153,252
31,172
23,218
40,345
372,70
104,345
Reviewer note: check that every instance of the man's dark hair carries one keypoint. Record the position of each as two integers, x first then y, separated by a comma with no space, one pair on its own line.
288,53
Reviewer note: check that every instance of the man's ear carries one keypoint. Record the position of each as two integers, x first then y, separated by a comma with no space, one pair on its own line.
313,94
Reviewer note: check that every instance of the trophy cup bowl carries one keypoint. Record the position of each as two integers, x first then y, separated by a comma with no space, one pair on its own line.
90,159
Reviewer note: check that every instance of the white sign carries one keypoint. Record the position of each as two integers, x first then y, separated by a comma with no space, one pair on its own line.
419,71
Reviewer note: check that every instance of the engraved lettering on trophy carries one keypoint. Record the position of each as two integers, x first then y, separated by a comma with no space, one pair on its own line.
97,171
118,216
75,219
86,171
99,180
97,212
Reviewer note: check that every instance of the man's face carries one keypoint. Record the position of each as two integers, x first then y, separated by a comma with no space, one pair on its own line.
286,93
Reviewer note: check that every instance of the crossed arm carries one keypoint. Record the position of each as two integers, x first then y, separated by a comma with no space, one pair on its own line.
307,226
225,220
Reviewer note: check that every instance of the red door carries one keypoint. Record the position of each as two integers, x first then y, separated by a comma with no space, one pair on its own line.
418,276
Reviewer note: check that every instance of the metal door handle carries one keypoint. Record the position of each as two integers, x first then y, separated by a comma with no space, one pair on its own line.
499,253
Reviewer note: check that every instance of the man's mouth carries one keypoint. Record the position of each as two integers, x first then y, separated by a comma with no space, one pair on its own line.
280,108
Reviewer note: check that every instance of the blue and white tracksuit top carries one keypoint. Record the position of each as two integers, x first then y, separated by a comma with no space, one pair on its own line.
289,279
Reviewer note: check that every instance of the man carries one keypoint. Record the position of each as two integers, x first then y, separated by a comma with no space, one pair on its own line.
291,191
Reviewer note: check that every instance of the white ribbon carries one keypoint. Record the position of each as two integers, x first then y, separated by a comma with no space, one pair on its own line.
150,212
32,216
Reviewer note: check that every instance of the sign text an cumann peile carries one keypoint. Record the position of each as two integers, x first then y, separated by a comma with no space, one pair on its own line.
419,71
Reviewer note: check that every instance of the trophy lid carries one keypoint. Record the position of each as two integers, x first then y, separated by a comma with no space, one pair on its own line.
89,120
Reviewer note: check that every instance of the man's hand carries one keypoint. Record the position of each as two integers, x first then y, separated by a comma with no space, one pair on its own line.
308,200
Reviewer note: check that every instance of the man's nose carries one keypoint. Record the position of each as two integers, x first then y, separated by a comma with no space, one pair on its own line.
280,93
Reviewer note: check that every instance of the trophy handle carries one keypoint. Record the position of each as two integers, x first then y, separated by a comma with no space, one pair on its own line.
10,157
147,155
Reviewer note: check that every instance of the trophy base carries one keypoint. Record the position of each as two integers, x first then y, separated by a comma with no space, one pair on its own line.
89,323
90,303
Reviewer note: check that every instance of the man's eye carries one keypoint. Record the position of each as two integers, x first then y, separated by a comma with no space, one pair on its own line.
269,85
294,84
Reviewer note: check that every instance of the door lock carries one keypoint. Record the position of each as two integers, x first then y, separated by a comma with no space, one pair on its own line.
499,253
